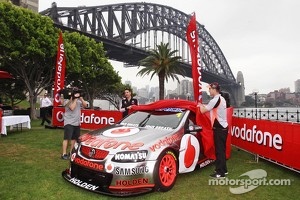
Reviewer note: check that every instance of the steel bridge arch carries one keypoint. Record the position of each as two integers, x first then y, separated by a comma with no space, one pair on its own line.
125,22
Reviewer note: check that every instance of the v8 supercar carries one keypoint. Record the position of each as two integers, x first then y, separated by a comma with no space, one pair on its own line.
145,151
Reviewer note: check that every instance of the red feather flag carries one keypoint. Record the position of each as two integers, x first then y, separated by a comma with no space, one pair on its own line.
59,82
5,75
207,133
202,119
192,40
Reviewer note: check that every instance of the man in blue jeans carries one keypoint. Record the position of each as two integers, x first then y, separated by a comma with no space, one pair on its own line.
218,116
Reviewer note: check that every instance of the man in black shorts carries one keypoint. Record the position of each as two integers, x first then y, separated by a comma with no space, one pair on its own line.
72,121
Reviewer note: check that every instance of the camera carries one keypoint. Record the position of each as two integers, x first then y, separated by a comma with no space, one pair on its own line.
76,93
72,92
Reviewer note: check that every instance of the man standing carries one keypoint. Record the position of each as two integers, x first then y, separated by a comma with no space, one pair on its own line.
127,102
45,106
72,121
218,117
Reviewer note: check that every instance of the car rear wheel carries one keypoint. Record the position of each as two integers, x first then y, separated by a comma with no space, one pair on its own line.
165,172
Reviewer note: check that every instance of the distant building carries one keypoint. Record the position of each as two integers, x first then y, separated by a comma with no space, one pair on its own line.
186,88
29,4
290,96
155,93
241,90
297,86
147,88
134,89
143,92
128,83
170,92
285,90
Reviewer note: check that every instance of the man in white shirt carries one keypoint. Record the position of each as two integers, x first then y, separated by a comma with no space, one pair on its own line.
218,116
46,104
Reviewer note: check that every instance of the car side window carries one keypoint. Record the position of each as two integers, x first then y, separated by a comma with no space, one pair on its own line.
190,121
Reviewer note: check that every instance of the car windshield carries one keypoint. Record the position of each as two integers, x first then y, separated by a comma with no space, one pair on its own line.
154,119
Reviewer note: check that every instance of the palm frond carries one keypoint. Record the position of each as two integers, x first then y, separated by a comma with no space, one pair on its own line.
162,62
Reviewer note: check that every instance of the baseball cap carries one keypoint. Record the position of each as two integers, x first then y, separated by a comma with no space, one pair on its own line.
215,85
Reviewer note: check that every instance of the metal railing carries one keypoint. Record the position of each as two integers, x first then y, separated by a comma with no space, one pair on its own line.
269,114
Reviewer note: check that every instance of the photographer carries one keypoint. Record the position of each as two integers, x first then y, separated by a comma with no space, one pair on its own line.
72,120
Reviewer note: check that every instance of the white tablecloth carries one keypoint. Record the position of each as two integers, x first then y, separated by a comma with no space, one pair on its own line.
20,120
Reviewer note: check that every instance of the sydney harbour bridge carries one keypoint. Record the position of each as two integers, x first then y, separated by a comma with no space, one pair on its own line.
129,30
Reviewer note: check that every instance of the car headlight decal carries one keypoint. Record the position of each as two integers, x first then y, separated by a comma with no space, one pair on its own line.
76,145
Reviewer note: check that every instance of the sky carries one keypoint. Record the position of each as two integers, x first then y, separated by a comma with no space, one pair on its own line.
260,38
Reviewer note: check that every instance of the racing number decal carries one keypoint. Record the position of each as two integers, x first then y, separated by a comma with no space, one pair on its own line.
179,115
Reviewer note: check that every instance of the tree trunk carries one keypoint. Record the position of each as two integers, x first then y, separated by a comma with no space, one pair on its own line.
32,103
161,83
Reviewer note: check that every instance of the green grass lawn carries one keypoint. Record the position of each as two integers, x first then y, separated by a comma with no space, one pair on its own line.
30,168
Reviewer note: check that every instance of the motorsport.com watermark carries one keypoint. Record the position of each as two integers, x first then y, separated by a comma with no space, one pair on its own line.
256,178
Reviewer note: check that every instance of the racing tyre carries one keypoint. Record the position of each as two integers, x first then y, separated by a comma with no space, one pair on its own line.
165,172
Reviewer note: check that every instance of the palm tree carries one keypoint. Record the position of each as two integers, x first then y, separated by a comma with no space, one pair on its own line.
164,64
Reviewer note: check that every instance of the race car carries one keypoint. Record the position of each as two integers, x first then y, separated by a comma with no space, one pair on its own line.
143,152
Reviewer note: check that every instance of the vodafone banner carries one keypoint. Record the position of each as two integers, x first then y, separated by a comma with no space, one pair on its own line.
60,68
90,119
278,141
192,40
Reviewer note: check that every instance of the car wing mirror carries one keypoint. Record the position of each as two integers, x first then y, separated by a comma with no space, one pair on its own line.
194,129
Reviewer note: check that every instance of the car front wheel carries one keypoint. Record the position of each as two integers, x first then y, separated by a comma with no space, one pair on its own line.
165,172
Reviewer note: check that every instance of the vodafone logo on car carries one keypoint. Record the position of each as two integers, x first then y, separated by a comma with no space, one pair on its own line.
121,131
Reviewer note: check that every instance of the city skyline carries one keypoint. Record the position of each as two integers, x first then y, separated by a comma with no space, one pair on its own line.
205,89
